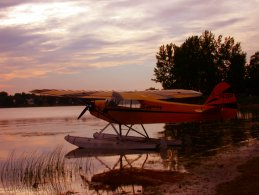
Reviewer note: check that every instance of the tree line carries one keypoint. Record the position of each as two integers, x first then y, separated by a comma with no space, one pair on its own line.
26,99
203,61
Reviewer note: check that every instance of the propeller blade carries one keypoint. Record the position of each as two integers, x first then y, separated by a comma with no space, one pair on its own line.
83,112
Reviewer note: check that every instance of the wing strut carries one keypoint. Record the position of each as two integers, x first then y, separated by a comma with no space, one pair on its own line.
119,131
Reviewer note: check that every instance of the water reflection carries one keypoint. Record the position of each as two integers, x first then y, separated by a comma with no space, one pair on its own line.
245,115
89,171
130,171
205,138
57,171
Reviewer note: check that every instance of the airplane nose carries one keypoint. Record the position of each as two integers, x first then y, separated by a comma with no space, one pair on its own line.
88,106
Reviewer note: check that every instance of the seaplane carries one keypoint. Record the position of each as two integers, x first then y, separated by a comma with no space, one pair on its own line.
127,112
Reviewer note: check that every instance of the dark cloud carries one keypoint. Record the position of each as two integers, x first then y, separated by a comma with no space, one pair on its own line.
19,41
227,22
10,3
86,42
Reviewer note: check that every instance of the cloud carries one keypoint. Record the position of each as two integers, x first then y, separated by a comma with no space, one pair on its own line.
28,73
68,37
64,51
10,3
5,86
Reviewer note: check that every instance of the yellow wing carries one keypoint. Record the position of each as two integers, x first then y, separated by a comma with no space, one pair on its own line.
134,95
73,93
160,94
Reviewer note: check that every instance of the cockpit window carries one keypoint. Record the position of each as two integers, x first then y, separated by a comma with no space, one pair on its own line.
123,103
111,102
118,100
130,103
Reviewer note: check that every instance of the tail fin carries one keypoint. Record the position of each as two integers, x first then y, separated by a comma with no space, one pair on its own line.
222,95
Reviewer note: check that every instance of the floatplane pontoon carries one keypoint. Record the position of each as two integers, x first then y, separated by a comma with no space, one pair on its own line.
125,110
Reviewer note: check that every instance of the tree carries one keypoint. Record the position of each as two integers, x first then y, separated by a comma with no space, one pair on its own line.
200,63
5,99
20,99
232,64
164,70
195,63
186,58
252,74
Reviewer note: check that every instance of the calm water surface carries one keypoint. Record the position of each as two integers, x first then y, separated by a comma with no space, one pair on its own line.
35,158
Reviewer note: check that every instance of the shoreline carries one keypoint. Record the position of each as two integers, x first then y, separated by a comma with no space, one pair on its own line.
217,173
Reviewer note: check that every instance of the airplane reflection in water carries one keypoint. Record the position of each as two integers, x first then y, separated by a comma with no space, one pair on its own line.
90,172
132,171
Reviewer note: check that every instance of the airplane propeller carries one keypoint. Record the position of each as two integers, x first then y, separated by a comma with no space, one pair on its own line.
84,111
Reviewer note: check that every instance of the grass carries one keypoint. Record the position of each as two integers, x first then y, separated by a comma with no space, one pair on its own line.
40,172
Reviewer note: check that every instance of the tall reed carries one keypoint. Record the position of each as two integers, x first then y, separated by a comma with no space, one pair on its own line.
41,172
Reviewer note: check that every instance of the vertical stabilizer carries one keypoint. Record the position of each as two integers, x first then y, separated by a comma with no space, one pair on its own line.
222,95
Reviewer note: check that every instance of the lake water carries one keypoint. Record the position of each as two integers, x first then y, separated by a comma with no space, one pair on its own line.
35,158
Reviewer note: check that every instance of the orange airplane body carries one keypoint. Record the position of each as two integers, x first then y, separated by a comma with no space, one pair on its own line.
221,104
161,112
142,107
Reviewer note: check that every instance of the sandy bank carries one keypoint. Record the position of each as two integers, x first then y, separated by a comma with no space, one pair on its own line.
205,177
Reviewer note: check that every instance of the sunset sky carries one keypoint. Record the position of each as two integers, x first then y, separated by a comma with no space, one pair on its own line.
107,44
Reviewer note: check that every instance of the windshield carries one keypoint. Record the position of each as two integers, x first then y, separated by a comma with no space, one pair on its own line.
124,103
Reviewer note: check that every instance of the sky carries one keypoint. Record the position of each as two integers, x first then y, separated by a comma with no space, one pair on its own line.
108,44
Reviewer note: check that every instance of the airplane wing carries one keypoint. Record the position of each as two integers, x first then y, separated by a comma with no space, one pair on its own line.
160,94
82,94
136,95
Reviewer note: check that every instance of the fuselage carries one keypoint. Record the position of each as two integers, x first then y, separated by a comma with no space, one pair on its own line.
144,112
